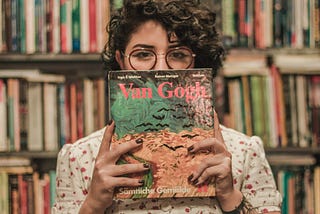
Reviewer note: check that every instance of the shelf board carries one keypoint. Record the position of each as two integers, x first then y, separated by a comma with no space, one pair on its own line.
54,63
33,155
293,151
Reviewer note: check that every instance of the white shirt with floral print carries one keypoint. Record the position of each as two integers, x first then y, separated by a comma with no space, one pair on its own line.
251,172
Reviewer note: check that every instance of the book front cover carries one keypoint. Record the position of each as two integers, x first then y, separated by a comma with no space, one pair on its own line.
170,110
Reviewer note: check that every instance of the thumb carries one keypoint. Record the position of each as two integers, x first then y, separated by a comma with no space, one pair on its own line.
217,129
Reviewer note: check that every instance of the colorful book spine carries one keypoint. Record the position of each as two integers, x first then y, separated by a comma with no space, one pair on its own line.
92,26
76,26
4,116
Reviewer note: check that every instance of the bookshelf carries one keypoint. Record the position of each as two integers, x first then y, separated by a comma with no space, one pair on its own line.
54,63
251,52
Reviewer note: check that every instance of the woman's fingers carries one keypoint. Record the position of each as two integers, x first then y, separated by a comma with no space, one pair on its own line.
210,144
105,144
217,130
119,149
123,169
110,153
209,168
125,182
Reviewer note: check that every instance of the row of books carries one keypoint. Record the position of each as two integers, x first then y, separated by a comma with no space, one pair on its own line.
53,26
42,112
269,23
24,190
300,188
283,109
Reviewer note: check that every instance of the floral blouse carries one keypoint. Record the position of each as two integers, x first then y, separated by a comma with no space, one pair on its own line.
251,172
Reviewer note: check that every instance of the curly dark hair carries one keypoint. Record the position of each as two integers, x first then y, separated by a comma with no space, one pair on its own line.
192,22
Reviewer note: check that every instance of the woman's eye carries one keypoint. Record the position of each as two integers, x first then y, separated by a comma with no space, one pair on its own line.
143,54
178,55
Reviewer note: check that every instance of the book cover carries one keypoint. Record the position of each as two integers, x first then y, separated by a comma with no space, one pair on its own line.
170,110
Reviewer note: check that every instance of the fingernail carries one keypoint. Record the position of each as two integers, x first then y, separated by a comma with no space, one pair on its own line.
141,182
190,177
195,182
145,165
109,122
139,140
190,148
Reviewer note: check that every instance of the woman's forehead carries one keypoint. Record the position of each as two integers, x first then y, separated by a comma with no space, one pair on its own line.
152,33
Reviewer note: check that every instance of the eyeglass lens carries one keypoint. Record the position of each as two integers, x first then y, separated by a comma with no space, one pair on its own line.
179,58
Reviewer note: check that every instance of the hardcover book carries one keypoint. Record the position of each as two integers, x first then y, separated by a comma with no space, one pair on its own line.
170,110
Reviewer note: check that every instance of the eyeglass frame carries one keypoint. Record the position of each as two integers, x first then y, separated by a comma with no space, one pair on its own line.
193,55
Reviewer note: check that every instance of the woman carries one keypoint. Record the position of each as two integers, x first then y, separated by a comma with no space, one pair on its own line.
158,34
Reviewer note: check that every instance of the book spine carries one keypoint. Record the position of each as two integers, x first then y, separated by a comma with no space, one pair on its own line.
22,189
4,192
23,109
35,126
56,26
304,140
50,117
14,26
241,9
316,25
76,27
102,18
67,113
22,26
101,103
49,25
8,24
73,113
4,116
2,28
278,21
65,26
30,194
79,109
315,106
84,20
247,104
88,101
92,27
52,177
14,125
30,26
14,194
228,23
62,114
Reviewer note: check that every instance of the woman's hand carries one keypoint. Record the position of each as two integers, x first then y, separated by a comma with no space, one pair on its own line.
217,168
107,175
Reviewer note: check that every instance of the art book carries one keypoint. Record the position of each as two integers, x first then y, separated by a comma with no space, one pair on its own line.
170,110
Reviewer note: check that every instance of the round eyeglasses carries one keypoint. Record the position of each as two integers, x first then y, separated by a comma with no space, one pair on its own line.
146,59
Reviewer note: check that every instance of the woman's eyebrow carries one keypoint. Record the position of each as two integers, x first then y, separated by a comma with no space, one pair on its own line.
175,45
143,46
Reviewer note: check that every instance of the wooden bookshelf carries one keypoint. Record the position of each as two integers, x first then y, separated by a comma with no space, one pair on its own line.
69,64
31,154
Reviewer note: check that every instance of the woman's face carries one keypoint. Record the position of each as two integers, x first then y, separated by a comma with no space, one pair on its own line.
148,48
